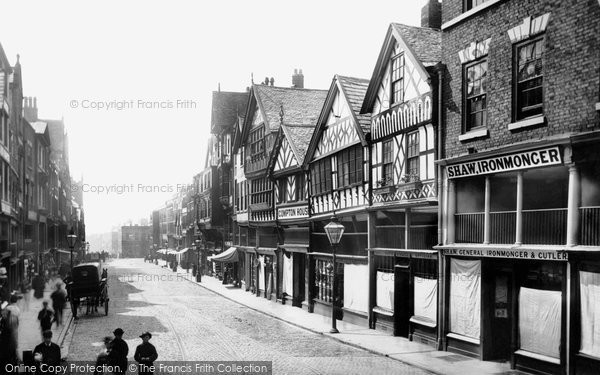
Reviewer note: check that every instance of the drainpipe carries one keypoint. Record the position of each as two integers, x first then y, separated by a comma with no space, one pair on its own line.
440,186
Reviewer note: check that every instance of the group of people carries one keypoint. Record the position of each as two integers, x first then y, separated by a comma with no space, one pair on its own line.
115,351
10,314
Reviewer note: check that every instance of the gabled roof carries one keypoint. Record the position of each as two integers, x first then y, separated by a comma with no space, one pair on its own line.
298,137
353,90
425,43
298,106
226,106
421,44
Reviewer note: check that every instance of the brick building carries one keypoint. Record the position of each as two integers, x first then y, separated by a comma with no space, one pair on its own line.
136,241
521,209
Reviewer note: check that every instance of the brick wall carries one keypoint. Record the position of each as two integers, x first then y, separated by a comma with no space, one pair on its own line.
571,69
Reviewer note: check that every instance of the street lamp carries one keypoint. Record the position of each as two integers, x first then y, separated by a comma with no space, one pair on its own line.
71,239
334,231
198,275
166,255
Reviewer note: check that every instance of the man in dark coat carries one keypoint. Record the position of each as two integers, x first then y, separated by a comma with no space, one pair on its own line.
117,356
45,317
59,298
145,354
47,353
38,284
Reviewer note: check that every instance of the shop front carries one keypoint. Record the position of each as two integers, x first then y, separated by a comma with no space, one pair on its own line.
508,305
351,271
520,256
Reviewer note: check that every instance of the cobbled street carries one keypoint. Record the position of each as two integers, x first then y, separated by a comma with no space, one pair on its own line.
190,323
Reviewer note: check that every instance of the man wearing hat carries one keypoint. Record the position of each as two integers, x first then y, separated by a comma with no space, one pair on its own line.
117,356
145,354
47,353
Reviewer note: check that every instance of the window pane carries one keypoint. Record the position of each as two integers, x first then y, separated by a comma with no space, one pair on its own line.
545,188
470,193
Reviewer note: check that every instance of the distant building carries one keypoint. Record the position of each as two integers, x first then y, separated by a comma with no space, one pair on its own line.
136,241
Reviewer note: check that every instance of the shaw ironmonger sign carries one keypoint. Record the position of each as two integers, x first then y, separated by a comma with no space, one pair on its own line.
522,160
297,212
510,253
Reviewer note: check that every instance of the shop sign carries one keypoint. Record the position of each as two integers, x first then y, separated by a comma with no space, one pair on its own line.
505,163
510,253
292,212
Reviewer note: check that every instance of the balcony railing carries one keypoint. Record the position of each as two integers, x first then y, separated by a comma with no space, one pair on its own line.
545,227
590,226
469,227
393,236
540,227
503,227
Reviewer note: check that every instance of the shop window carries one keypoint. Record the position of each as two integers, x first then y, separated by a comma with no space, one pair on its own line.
540,321
529,95
324,280
589,289
470,194
384,284
465,297
425,290
476,95
356,276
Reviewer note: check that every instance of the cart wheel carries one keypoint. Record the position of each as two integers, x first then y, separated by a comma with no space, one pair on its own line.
106,306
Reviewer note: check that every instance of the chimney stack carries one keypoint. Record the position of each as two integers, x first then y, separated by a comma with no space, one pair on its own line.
298,79
431,14
272,81
30,109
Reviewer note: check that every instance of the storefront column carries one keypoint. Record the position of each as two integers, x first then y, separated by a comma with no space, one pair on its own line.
568,320
519,214
451,211
486,215
573,207
407,217
371,242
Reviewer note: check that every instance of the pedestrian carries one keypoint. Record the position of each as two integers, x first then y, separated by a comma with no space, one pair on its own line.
45,317
102,358
25,287
39,284
117,357
13,319
145,355
59,298
4,290
47,353
8,345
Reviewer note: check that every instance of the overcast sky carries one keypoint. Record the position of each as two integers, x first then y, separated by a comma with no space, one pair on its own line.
76,54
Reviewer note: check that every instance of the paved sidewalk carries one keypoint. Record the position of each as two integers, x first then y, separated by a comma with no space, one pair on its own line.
399,348
30,333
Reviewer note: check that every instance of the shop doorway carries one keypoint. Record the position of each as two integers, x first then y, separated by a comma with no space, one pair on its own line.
402,300
499,315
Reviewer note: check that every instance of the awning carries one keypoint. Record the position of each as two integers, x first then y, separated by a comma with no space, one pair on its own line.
183,250
228,256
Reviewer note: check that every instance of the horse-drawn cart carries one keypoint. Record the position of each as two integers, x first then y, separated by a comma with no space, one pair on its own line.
88,287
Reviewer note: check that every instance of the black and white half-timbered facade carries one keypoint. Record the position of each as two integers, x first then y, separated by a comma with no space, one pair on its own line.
338,166
291,203
403,277
268,108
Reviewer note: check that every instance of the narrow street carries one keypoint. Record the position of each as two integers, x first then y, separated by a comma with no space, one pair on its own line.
190,323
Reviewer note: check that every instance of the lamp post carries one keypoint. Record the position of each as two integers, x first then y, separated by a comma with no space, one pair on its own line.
166,255
71,239
334,231
198,274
